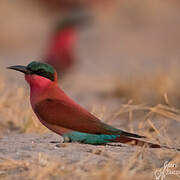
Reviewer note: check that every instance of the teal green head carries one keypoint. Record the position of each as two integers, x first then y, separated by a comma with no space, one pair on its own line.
38,68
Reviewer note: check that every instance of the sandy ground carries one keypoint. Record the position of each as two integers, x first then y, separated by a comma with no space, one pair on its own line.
41,150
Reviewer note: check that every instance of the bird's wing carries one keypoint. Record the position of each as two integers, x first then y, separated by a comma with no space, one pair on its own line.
72,116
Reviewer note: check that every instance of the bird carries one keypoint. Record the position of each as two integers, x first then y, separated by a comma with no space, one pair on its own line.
60,51
62,115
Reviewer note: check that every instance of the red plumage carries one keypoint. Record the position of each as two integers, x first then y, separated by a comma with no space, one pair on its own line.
60,53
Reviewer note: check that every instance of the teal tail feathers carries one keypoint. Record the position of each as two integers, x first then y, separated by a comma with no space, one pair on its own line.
98,139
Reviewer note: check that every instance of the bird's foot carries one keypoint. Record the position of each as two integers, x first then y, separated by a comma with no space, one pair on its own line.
60,144
66,139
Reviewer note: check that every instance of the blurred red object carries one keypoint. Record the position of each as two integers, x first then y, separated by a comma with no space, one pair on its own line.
61,51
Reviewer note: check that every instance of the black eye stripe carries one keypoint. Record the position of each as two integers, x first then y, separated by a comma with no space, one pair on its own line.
43,73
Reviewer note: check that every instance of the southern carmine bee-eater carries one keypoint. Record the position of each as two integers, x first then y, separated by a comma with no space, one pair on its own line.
61,47
61,114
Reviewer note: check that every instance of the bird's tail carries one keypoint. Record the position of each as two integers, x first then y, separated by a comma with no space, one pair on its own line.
137,142
125,133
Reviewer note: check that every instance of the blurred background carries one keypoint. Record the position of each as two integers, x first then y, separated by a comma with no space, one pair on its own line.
129,50
119,59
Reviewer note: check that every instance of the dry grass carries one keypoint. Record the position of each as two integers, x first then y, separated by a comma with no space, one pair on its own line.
15,109
154,88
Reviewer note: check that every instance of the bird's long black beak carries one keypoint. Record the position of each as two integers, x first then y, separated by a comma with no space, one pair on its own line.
22,69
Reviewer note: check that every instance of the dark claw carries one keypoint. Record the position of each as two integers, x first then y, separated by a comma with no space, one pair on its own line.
55,142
